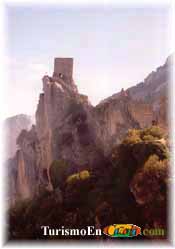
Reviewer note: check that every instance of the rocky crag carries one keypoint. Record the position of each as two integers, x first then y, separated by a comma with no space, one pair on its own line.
69,128
13,126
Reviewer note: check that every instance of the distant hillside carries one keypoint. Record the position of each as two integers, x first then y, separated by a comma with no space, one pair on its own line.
139,105
152,87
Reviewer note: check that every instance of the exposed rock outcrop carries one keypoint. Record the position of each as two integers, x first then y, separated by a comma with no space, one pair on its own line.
12,127
137,107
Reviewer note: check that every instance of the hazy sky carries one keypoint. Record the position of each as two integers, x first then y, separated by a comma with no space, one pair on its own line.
113,47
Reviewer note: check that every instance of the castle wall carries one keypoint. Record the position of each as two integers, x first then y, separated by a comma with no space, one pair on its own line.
64,66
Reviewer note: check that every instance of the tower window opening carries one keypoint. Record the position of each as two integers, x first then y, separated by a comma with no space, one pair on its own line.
61,75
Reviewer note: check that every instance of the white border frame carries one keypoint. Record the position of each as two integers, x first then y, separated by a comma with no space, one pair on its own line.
2,106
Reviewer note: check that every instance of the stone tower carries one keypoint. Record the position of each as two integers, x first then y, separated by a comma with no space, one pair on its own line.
63,68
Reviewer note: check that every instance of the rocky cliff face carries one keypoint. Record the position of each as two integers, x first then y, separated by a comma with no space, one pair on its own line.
117,116
13,126
138,106
68,127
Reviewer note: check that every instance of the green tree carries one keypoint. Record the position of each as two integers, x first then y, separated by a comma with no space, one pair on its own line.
154,131
58,172
132,137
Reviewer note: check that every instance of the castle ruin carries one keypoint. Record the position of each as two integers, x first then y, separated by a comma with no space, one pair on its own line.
63,69
62,74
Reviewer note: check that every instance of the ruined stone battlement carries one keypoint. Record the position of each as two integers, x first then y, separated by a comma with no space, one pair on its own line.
63,68
62,75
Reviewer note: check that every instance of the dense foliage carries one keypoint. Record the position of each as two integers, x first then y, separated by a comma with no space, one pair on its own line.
58,172
130,186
